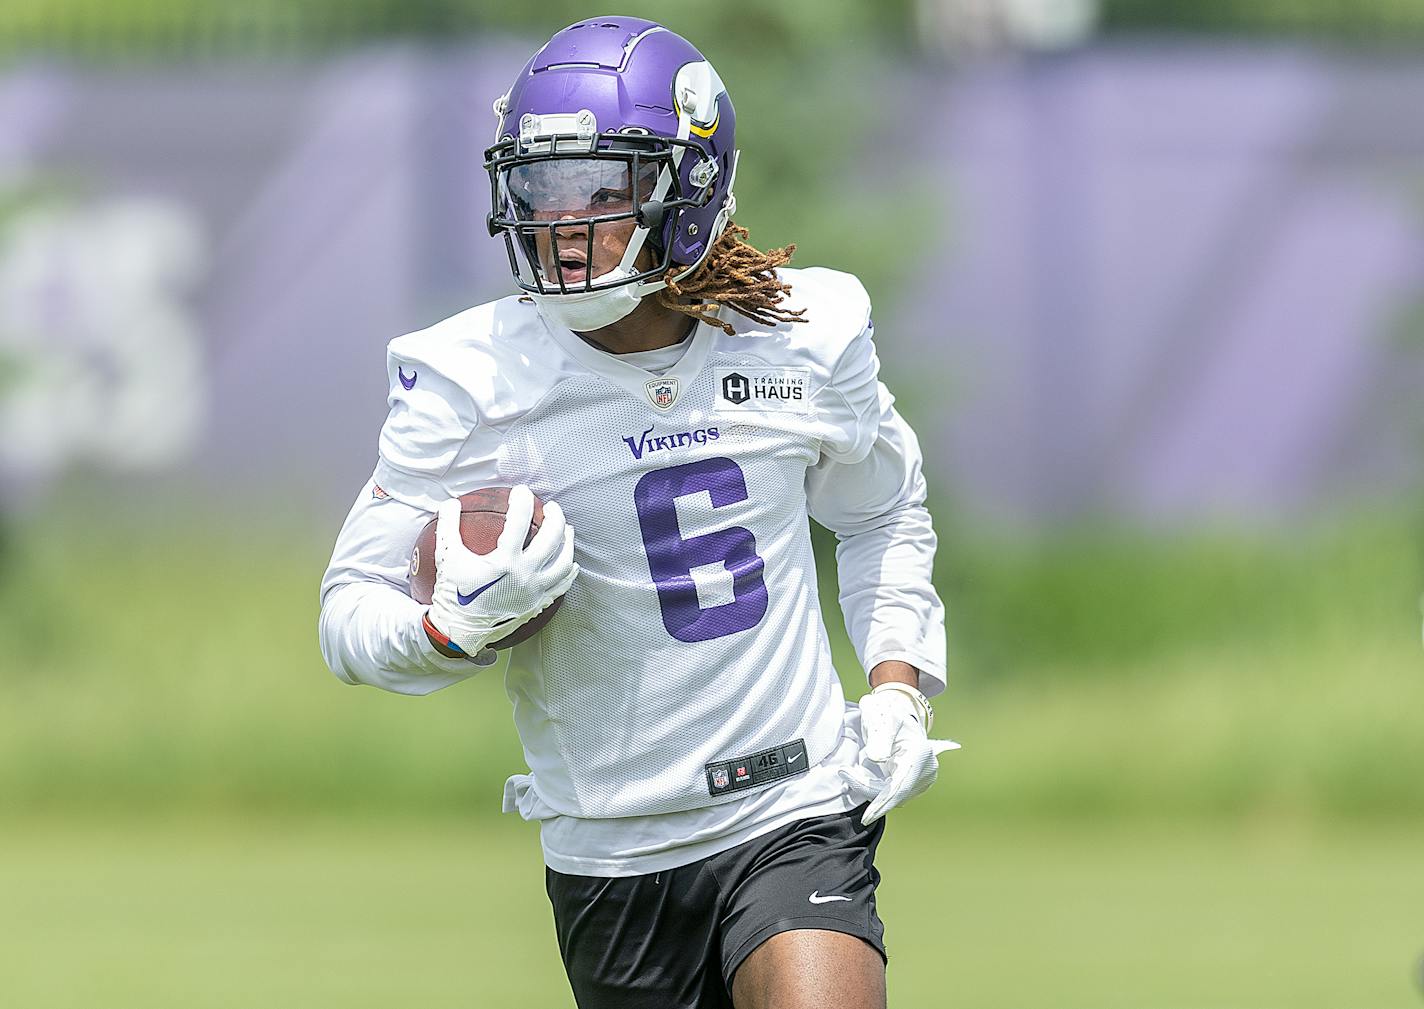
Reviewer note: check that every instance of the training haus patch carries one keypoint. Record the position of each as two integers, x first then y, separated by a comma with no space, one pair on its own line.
786,390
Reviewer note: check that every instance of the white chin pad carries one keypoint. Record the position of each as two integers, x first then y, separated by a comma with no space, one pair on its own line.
585,311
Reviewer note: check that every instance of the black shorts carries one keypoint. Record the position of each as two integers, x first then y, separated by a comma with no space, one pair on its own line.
673,940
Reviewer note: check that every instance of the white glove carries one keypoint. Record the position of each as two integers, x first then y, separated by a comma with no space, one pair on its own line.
894,723
480,598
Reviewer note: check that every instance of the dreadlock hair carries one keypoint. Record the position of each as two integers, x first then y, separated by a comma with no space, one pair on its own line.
737,275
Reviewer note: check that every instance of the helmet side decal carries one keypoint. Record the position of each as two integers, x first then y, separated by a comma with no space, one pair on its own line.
697,91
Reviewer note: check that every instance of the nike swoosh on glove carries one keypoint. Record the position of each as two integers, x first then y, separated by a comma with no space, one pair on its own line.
893,729
480,598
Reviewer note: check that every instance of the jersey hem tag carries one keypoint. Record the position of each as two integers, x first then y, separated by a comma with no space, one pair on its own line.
760,768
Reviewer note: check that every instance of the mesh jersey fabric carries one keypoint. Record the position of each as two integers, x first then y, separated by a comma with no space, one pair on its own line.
646,676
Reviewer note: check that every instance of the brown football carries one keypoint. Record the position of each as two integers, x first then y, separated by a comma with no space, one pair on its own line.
481,522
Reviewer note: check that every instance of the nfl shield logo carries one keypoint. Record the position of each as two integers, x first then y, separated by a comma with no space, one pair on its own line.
663,392
719,778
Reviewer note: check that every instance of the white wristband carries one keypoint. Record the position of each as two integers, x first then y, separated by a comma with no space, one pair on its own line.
922,703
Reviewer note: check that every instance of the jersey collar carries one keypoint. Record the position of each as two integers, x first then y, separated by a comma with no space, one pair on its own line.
631,377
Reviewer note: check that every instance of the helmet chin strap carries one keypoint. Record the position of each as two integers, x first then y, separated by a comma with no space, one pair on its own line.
584,311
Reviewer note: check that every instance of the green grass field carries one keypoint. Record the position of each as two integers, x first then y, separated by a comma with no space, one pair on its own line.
368,913
1193,776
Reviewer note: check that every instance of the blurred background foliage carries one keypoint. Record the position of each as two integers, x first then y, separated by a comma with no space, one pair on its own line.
198,29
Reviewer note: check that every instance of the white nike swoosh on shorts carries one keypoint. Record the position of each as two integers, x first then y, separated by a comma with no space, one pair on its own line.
816,897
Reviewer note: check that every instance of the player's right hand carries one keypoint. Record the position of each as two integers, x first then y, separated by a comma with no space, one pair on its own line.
480,598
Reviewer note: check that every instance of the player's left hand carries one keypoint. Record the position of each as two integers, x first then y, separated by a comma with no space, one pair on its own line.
894,727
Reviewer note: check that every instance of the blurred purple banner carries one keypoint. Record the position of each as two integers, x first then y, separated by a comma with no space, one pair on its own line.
1172,285
1179,284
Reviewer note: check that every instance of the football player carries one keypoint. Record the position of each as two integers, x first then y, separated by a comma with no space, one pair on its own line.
709,803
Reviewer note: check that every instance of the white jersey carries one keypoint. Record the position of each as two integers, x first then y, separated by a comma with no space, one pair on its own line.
686,680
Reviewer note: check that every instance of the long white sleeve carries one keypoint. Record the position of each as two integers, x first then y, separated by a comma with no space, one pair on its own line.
370,627
885,550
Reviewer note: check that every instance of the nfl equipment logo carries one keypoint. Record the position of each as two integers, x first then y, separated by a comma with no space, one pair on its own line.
662,392
719,778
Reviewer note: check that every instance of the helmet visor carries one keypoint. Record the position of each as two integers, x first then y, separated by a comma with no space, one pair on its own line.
576,187
573,218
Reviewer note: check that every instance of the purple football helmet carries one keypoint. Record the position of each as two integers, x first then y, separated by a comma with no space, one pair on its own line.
617,136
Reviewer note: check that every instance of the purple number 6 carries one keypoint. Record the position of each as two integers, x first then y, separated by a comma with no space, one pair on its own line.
671,557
